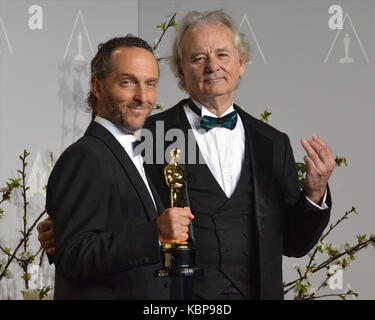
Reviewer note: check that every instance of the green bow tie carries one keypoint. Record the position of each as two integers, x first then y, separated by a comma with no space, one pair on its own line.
229,121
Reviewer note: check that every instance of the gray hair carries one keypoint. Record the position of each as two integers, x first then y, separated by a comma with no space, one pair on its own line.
203,18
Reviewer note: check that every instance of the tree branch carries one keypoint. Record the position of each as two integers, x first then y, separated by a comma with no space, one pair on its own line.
26,236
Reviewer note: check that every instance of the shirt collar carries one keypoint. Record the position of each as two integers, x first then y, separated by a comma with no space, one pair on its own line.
124,138
206,112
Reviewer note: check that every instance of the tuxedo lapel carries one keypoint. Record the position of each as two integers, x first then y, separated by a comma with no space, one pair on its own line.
261,155
98,131
159,204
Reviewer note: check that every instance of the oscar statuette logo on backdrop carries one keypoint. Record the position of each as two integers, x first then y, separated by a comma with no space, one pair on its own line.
344,42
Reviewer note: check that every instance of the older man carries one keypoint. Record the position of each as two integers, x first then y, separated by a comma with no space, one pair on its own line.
248,207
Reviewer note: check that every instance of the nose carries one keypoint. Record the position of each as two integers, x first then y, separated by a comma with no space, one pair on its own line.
140,95
212,64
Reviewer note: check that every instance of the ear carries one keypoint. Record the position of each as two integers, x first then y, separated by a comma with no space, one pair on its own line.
181,75
96,87
242,65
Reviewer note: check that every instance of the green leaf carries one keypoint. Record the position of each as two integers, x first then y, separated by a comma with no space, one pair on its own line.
301,287
265,116
26,276
340,161
361,238
14,183
173,23
159,106
162,26
44,292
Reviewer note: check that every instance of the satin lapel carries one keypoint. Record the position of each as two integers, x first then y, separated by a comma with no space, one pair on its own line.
261,155
101,133
178,120
183,124
159,204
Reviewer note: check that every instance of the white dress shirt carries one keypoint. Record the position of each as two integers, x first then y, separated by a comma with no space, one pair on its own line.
126,140
224,149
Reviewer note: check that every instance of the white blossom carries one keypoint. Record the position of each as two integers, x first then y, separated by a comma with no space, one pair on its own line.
333,269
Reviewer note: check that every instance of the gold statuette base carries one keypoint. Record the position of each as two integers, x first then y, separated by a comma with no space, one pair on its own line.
178,261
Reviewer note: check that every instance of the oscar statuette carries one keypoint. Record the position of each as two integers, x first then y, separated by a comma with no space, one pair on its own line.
178,257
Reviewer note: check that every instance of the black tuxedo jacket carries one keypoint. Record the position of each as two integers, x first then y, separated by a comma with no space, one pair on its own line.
286,224
104,223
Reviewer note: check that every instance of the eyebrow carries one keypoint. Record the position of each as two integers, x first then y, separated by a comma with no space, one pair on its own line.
195,54
134,77
222,50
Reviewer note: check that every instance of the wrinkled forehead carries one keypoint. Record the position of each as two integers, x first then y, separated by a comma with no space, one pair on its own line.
201,28
201,35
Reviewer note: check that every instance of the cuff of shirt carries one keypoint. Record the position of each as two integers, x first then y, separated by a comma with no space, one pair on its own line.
323,206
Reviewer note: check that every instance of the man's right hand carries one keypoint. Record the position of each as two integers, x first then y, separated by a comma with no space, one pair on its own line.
173,224
45,235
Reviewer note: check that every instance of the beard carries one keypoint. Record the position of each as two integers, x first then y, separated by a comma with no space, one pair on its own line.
116,113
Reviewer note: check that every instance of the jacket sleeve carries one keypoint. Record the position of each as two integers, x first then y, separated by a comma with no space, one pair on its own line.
304,223
78,200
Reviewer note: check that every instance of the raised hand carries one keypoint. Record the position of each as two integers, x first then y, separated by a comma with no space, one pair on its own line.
320,164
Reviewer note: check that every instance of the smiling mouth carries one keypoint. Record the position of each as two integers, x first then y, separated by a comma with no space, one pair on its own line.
138,108
213,80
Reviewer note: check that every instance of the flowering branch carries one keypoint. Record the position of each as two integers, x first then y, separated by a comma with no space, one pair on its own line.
302,285
164,27
12,256
327,263
26,257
